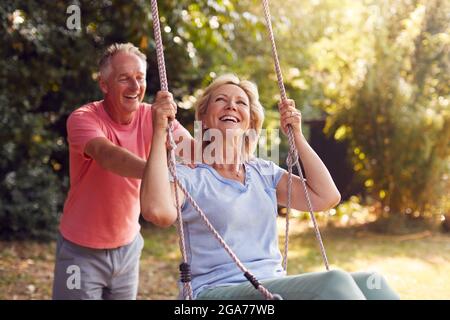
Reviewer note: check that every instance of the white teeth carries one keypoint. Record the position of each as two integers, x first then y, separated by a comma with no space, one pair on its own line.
229,118
131,97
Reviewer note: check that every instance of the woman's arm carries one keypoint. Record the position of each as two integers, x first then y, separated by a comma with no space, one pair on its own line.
322,191
156,194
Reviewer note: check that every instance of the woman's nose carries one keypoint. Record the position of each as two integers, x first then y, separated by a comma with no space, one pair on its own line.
231,105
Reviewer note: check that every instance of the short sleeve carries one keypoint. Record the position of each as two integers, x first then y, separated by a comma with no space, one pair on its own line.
277,173
183,177
82,126
270,172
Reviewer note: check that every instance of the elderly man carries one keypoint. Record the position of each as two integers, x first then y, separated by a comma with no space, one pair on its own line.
99,245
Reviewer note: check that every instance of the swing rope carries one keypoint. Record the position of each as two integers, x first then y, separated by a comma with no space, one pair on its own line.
293,157
184,267
291,161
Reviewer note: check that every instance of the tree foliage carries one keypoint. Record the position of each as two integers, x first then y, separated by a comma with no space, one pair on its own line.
48,70
398,119
376,70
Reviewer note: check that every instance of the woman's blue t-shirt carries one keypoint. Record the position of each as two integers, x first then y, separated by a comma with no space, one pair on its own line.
243,214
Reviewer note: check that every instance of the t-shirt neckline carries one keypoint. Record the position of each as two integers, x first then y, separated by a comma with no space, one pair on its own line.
234,183
115,124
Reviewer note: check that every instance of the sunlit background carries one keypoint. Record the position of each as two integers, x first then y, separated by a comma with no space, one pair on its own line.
372,81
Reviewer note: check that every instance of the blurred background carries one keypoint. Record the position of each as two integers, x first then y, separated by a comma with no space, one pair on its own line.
372,81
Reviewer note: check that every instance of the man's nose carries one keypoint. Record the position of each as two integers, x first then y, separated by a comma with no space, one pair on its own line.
134,84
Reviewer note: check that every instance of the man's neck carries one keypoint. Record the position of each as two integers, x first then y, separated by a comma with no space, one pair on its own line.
115,115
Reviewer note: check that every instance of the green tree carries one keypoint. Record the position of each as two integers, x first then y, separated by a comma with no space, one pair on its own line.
48,70
398,121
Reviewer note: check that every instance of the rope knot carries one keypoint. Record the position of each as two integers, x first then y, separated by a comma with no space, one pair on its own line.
292,158
252,279
185,272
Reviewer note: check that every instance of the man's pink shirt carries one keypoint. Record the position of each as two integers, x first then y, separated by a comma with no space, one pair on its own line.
102,208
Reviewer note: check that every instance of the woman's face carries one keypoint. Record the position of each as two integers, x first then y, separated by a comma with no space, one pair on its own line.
228,109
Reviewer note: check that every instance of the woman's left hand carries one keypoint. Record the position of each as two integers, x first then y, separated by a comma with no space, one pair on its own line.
289,115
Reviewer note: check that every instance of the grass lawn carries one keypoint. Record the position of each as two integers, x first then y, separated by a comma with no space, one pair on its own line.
416,266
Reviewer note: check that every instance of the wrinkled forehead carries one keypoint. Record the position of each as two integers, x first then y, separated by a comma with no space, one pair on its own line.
230,90
128,63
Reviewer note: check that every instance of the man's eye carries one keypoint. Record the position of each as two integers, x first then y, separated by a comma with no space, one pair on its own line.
123,79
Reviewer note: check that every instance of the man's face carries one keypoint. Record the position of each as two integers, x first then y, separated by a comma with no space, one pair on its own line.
124,85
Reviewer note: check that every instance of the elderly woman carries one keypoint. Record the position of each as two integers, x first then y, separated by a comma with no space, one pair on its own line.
239,193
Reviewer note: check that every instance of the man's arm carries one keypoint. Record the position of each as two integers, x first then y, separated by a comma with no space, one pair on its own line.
126,164
114,158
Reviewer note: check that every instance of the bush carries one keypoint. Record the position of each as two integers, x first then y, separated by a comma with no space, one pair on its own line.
398,124
31,202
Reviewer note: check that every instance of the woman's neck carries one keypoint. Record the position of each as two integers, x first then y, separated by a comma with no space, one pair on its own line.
231,171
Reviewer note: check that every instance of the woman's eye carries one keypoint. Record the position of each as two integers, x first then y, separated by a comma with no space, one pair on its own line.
220,99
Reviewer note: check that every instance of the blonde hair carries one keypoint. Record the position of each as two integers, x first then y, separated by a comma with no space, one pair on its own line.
256,109
104,64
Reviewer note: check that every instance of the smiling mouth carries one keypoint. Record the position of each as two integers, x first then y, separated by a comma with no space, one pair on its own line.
229,119
131,97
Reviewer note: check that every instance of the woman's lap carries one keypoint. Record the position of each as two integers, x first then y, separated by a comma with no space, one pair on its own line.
328,285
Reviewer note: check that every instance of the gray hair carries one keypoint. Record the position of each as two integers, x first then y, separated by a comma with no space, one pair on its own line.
104,64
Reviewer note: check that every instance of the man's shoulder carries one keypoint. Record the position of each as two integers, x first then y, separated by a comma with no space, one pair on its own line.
145,111
145,107
88,111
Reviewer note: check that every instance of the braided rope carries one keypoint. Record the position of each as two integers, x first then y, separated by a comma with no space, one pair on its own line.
172,169
288,213
293,156
159,47
187,287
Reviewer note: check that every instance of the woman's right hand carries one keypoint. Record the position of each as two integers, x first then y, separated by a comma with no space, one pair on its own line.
164,109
